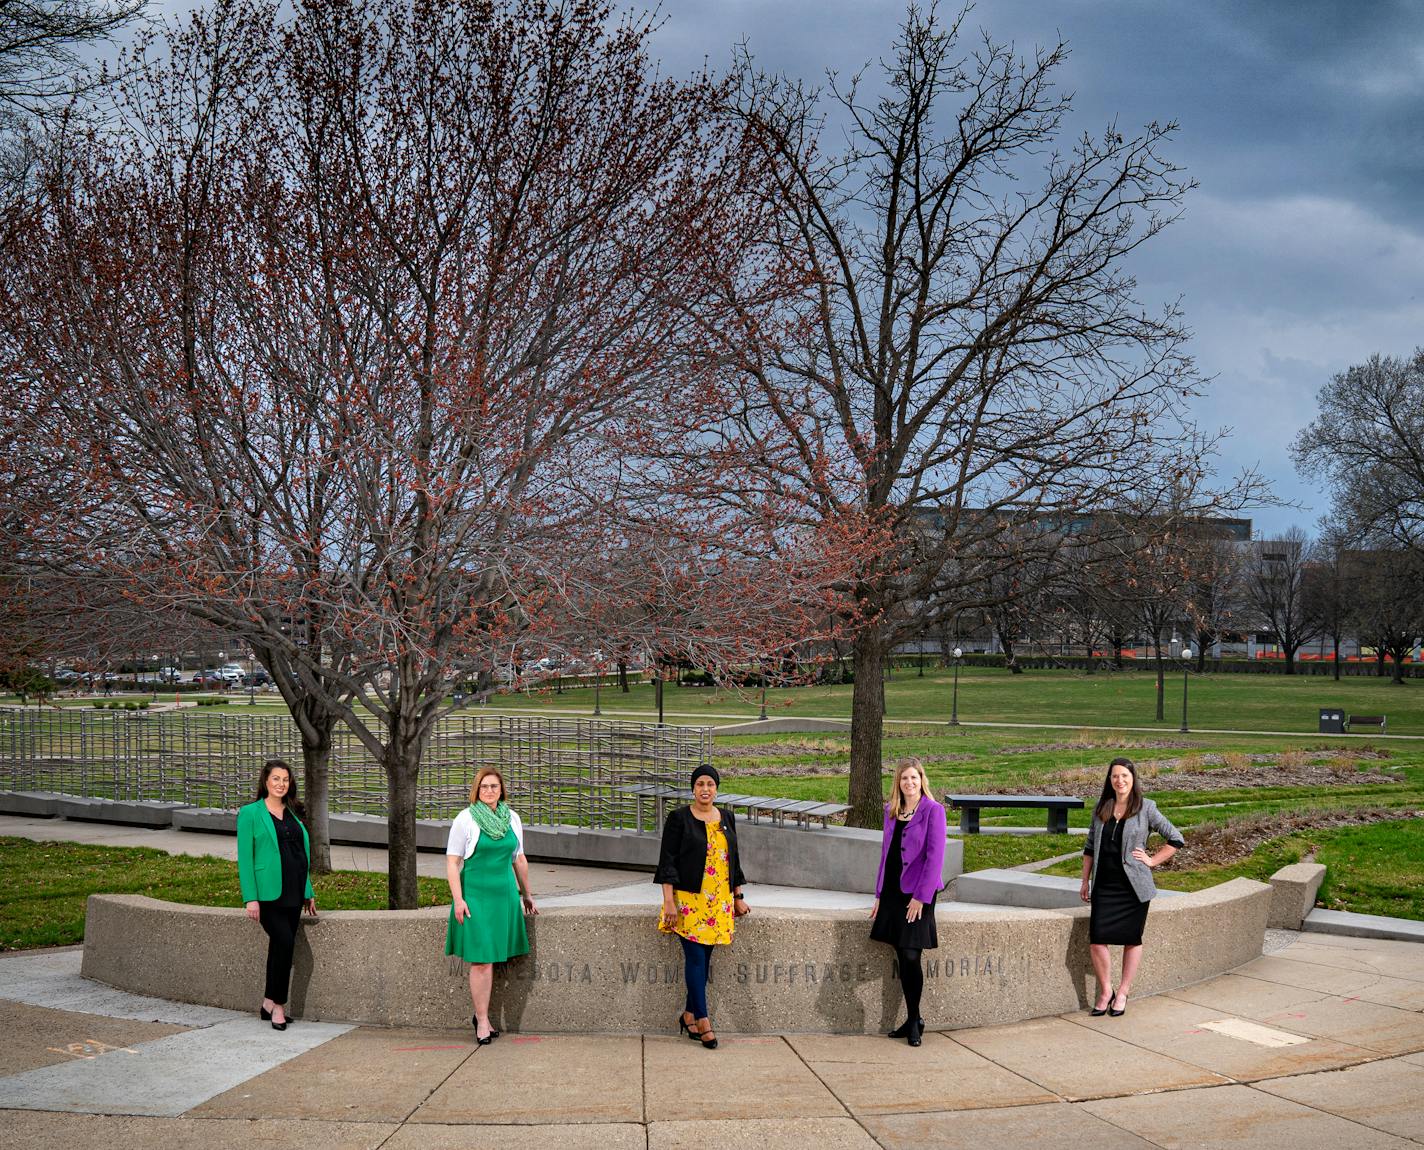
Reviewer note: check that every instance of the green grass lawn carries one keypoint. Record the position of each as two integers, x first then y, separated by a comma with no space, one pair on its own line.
46,885
1069,698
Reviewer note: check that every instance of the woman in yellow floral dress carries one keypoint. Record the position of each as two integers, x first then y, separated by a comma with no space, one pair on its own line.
701,877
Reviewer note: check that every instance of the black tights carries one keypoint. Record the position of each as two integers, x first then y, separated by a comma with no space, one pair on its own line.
912,979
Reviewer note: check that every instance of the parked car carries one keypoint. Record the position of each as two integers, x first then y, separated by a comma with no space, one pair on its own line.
258,678
231,673
208,679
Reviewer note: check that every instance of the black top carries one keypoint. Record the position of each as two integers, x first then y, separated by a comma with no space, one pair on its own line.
683,860
294,859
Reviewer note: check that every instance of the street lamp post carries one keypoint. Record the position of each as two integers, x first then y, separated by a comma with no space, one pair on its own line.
597,682
1186,670
658,691
958,654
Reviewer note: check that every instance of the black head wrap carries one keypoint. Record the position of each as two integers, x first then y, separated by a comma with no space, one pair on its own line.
706,769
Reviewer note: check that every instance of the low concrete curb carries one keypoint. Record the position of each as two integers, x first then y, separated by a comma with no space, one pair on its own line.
1293,891
607,968
1342,922
138,813
35,804
995,887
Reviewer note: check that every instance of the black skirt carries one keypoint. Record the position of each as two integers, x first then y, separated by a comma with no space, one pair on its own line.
890,925
1117,916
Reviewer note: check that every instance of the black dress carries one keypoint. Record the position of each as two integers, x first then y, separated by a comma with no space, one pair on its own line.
890,925
1117,916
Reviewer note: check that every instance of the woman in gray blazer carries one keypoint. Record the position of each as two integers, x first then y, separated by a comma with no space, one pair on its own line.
1117,878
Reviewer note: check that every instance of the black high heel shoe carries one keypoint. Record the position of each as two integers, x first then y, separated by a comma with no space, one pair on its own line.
903,1030
1097,1011
685,1028
278,1025
264,1014
488,1038
1115,1012
708,1037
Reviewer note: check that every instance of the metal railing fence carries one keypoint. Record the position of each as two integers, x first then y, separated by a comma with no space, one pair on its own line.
558,770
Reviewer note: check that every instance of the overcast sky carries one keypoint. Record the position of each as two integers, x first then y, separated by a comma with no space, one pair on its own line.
1302,251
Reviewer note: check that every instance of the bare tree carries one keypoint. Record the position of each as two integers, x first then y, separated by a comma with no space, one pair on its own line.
1332,590
1276,588
967,352
1368,444
354,305
1389,604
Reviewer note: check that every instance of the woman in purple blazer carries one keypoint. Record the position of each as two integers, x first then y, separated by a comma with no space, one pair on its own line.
911,868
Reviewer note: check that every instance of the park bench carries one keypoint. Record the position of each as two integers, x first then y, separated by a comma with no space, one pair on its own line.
1376,721
1058,807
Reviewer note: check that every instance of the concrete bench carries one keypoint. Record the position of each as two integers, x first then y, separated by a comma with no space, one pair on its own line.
35,804
136,813
1058,807
1378,722
996,887
753,806
602,968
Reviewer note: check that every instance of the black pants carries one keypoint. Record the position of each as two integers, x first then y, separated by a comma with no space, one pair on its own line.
281,924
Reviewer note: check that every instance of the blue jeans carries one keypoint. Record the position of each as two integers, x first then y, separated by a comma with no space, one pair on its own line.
696,965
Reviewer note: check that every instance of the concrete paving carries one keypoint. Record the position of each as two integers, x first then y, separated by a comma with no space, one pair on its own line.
1317,1044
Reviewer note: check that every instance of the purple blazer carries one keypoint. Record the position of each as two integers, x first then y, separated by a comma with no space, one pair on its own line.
921,851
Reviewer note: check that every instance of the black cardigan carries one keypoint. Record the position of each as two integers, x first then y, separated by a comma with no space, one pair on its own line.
683,861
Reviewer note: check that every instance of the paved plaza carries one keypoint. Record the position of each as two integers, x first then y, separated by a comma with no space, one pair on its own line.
1317,1044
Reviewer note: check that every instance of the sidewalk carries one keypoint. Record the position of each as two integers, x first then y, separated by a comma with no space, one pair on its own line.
1320,1044
1317,1044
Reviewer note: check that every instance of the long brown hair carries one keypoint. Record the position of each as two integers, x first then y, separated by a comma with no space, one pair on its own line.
1103,811
291,801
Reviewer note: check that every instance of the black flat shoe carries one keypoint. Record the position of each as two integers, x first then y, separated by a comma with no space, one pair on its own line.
913,1037
1099,1011
903,1030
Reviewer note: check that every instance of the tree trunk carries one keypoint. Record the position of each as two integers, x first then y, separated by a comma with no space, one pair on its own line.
316,764
1161,679
402,769
1336,642
867,797
1289,651
623,677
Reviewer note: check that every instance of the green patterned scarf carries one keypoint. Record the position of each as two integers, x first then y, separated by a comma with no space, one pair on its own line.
494,823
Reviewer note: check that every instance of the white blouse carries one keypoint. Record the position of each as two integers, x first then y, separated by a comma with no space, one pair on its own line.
465,833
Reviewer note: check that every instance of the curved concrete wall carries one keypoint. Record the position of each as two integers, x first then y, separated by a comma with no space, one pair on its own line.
608,969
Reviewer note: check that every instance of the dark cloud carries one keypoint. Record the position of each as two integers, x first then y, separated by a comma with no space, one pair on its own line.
1303,121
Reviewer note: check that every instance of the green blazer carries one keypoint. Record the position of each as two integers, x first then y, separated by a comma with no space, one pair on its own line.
259,861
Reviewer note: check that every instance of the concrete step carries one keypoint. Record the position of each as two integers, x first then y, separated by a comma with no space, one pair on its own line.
1321,921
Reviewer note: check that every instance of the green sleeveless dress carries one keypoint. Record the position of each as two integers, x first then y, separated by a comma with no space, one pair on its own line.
494,929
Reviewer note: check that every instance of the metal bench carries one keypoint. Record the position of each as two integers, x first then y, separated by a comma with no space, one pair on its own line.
1058,807
1376,721
753,806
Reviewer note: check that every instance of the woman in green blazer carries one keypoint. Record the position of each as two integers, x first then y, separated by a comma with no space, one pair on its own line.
273,861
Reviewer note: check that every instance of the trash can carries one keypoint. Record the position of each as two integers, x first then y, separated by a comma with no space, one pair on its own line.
1332,721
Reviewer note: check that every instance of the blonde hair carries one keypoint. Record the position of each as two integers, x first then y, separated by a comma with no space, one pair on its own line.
481,776
897,800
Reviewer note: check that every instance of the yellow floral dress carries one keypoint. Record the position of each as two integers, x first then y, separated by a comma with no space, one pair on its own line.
706,916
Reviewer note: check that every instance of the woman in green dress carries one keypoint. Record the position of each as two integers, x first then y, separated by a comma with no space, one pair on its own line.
488,875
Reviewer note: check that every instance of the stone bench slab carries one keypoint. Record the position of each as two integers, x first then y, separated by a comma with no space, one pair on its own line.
135,813
995,886
1321,921
35,804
